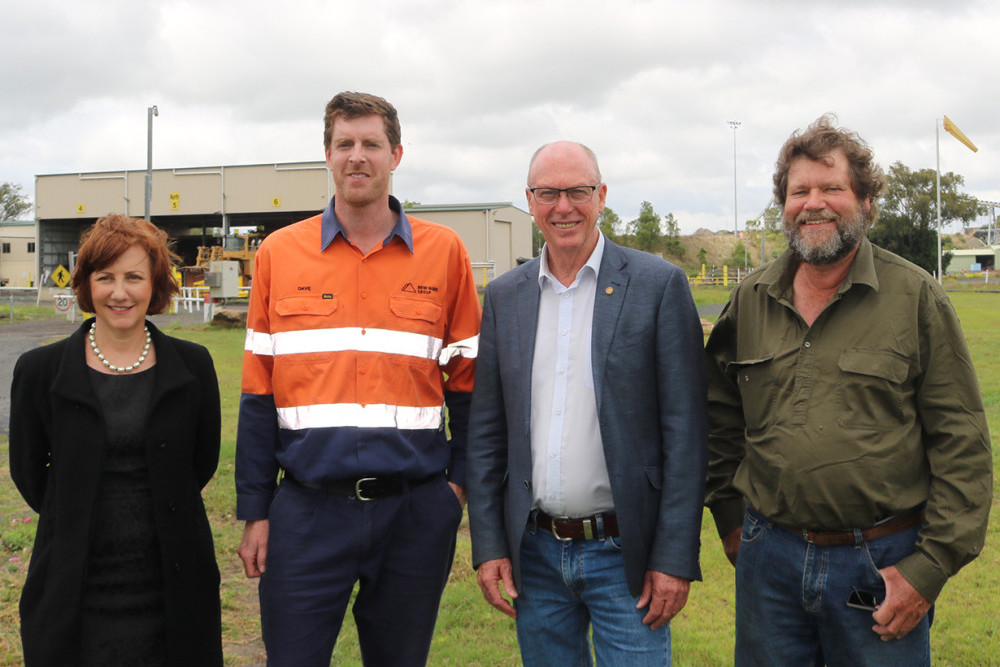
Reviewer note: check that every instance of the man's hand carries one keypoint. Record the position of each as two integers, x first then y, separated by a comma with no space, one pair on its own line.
902,609
253,547
731,544
491,576
459,492
665,595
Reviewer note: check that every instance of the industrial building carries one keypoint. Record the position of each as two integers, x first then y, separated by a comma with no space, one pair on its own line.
969,260
200,206
18,259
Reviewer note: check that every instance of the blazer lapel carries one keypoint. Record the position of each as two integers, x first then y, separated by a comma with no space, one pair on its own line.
612,283
526,322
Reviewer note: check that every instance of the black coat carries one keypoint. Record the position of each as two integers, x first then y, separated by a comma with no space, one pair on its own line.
57,440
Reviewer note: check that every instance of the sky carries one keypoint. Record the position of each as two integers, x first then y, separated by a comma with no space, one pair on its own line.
649,85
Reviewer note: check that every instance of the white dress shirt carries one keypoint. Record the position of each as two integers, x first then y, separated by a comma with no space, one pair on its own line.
569,474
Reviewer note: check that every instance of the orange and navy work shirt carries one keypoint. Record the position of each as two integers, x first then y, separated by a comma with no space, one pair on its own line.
350,358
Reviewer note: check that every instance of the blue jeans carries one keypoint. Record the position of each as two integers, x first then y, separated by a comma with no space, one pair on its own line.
791,601
568,586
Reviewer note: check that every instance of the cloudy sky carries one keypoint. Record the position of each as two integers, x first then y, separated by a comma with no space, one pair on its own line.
648,84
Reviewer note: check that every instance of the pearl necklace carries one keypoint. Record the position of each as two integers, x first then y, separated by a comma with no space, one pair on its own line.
119,369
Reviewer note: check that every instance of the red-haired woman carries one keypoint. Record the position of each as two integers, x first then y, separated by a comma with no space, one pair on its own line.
113,433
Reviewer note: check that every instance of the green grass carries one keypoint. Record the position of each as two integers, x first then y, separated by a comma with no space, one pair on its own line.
966,629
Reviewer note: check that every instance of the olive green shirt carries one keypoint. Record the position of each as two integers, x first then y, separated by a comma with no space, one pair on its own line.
870,412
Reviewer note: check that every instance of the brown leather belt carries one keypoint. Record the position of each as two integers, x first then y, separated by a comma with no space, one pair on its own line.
837,538
584,528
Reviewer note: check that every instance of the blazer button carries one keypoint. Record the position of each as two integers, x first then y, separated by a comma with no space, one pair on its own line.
172,507
162,444
177,567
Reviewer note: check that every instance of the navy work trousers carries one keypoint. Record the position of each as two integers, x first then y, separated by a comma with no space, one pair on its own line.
399,549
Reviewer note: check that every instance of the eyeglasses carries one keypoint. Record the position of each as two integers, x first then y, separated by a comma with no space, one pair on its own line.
580,194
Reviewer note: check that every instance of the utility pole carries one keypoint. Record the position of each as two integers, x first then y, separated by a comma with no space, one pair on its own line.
150,112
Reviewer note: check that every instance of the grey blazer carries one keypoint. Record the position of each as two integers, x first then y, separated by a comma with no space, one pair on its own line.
648,363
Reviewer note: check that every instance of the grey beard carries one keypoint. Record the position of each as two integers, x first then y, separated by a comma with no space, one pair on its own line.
833,249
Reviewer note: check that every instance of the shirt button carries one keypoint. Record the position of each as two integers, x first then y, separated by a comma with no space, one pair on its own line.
363,371
563,332
364,295
808,344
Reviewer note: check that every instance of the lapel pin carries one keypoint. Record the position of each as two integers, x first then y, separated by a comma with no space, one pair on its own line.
609,290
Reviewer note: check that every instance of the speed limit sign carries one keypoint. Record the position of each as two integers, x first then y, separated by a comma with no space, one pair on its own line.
63,302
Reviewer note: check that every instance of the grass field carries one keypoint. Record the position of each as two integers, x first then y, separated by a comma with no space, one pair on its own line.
966,629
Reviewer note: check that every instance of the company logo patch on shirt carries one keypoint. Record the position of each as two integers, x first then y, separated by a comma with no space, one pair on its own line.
327,296
418,289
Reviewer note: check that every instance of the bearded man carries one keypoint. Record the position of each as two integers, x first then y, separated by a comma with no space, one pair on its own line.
850,468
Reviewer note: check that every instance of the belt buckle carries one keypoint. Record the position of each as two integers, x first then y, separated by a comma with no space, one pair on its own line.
357,489
555,533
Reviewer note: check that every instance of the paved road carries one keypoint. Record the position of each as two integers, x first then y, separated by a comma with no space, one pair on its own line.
19,337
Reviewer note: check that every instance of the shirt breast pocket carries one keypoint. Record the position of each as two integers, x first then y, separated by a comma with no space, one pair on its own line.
755,379
418,312
872,389
291,306
302,315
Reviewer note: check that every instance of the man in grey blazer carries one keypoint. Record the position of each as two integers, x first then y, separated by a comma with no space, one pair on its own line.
587,434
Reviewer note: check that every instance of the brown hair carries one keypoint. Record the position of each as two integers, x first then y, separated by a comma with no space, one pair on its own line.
107,240
818,141
350,105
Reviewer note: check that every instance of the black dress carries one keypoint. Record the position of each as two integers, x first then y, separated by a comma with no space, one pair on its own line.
122,611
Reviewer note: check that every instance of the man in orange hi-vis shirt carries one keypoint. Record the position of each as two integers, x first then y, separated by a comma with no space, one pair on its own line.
363,325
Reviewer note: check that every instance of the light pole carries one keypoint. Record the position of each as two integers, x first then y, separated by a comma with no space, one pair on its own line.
736,225
150,112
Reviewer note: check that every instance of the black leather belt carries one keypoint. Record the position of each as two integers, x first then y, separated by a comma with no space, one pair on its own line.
583,528
364,488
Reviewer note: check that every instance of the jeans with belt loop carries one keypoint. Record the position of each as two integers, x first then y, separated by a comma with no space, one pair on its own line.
791,601
568,586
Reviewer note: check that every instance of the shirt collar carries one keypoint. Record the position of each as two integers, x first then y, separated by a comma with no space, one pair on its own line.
330,226
593,263
777,276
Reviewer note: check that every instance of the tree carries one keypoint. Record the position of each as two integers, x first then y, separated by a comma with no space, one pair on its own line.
672,235
907,223
772,219
739,256
13,203
645,229
609,222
